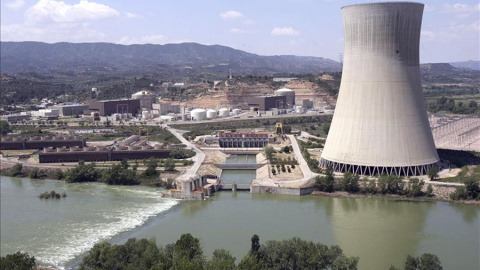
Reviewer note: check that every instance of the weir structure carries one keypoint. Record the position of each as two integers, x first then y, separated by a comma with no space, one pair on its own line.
380,125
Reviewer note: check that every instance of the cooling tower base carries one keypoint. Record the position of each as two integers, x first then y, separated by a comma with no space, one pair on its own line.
377,170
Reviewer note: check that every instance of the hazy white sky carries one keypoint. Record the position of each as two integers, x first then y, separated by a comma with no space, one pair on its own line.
450,30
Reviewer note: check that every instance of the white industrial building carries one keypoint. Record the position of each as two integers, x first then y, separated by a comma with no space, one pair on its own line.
147,98
70,109
289,94
164,108
380,125
46,113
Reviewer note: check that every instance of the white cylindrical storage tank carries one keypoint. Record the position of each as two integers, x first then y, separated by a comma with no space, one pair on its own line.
289,95
198,114
211,114
236,111
223,112
380,125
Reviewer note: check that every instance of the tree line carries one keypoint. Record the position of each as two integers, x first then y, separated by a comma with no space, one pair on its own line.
187,253
395,185
117,174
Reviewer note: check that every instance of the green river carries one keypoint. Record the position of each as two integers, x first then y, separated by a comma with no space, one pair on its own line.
381,231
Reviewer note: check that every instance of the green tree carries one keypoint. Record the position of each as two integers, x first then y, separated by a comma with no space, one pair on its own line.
17,169
269,151
426,261
17,261
391,184
169,164
429,191
299,254
221,260
325,183
82,173
188,253
349,182
4,127
124,163
117,175
151,170
472,187
255,244
433,173
415,187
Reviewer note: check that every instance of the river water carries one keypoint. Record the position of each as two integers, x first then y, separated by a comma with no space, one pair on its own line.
381,231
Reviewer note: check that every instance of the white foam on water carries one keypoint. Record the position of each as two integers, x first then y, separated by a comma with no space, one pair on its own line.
80,237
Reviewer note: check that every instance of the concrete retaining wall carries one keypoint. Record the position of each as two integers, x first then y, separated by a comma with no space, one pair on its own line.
281,190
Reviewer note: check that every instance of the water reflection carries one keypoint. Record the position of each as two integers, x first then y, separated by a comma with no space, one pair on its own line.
469,214
358,224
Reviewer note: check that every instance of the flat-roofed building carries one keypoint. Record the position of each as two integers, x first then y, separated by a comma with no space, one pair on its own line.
265,103
109,107
70,109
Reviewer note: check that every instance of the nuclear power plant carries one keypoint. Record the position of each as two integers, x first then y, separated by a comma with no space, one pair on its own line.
380,125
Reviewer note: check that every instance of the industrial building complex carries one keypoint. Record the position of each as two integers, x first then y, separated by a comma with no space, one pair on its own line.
98,154
380,125
37,142
244,140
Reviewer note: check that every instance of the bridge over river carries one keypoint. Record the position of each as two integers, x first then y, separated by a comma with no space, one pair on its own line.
239,166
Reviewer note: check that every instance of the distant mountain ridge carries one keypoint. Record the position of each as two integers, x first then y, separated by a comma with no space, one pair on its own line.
475,65
22,57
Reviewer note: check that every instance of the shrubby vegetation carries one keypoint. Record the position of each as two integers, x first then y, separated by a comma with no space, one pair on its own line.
187,253
180,153
119,174
52,194
461,107
82,173
426,261
18,261
311,162
116,174
4,127
386,184
471,190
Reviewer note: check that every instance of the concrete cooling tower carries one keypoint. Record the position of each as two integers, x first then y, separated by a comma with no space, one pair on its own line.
380,125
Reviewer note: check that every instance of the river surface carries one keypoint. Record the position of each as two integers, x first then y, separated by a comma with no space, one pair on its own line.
381,231
239,176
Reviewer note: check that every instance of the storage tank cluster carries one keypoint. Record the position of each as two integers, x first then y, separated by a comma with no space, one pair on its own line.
203,114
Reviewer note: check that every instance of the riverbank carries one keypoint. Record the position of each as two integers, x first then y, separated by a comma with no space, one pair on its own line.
343,194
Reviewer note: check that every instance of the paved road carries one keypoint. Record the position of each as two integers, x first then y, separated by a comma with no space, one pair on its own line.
197,159
307,173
